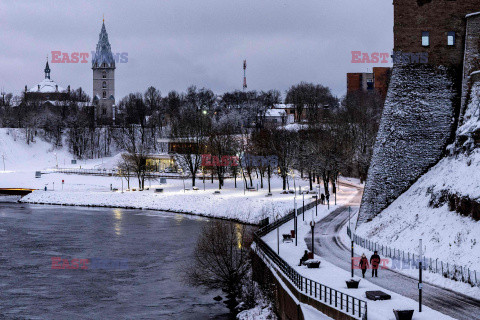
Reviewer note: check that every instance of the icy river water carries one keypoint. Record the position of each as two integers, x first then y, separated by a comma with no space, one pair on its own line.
142,254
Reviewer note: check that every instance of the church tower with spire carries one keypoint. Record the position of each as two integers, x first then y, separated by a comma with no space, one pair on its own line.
103,66
47,70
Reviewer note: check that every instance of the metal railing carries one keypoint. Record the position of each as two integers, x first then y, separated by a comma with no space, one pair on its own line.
404,259
114,172
352,306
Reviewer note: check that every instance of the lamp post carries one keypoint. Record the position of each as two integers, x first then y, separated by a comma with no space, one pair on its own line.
420,285
3,158
56,160
303,204
312,224
294,185
351,238
295,220
278,237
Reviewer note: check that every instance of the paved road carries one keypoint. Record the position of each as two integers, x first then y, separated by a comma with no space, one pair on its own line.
331,248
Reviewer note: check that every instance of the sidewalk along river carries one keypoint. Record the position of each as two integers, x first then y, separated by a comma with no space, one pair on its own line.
133,270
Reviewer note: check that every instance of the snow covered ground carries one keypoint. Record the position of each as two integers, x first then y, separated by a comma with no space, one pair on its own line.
446,235
22,160
231,203
335,277
433,278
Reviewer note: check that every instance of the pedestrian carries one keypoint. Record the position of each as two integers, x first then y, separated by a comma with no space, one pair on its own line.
304,258
322,197
375,263
363,264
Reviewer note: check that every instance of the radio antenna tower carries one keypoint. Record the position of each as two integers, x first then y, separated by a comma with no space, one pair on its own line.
244,75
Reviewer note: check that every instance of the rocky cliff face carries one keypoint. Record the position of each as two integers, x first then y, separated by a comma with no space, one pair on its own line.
417,124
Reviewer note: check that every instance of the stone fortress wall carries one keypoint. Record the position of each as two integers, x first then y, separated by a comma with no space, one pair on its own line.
425,102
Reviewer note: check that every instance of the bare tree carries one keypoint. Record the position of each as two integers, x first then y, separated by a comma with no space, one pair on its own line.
221,258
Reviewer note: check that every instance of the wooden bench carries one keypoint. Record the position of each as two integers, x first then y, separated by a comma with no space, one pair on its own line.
287,237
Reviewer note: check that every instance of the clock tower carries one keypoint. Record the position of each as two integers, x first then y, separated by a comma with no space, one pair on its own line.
103,66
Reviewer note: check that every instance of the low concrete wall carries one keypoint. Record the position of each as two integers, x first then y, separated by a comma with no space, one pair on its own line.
285,306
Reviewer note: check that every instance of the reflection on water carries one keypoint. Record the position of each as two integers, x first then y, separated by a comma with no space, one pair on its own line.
118,221
156,245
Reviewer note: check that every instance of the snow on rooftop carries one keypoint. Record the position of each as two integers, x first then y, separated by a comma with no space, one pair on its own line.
275,113
283,106
472,14
47,85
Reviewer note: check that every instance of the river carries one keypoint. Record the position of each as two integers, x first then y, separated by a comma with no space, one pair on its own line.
148,250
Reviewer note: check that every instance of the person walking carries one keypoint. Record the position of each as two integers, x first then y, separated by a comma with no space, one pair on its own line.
375,263
363,264
322,197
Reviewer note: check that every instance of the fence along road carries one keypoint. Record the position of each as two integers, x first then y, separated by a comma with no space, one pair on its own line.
354,307
330,247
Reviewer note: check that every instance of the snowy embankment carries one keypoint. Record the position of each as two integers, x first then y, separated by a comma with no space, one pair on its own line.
22,160
446,234
230,204
335,277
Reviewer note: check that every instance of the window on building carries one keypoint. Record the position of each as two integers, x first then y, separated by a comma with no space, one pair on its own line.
425,38
104,75
104,111
104,84
104,94
451,38
369,84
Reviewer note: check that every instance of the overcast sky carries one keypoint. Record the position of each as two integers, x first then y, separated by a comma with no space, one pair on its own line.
172,44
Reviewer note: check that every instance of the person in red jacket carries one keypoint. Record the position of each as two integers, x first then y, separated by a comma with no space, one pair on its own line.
363,264
375,262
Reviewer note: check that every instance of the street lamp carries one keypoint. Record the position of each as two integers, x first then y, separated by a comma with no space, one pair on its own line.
351,236
295,220
420,285
278,236
303,208
312,224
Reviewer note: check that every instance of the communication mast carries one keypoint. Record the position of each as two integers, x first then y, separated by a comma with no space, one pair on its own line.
244,75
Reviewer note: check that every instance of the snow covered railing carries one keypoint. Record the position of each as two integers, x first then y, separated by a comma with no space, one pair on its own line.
402,258
352,306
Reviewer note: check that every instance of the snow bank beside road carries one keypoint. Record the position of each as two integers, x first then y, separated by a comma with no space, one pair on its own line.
447,235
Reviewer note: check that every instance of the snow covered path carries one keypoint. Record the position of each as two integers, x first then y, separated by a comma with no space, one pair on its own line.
329,246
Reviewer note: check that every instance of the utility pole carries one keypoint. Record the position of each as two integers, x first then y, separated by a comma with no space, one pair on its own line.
420,279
